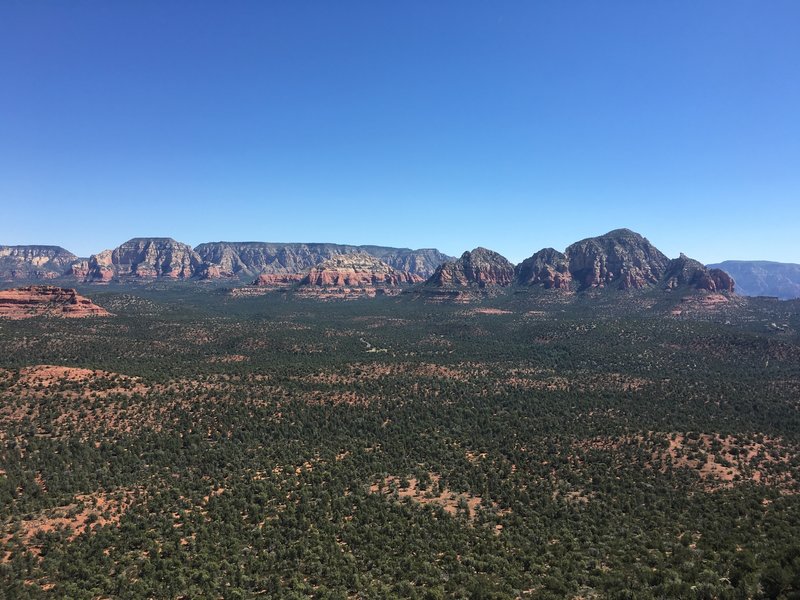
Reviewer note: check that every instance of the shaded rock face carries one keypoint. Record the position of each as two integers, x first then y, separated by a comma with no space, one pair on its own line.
357,270
251,259
145,258
481,268
79,269
684,271
34,262
99,267
722,281
46,300
548,267
620,258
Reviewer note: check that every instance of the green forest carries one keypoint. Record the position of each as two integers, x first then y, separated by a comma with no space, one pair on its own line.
197,445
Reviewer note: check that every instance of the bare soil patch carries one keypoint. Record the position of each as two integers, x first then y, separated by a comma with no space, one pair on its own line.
453,503
86,513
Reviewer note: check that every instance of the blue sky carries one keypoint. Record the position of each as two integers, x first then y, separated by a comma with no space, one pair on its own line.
511,125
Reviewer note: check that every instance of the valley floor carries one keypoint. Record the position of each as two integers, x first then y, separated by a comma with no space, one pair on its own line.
203,446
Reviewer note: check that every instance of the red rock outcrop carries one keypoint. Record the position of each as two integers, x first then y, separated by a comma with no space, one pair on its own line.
145,258
47,300
684,271
548,267
278,279
621,257
357,270
479,268
722,281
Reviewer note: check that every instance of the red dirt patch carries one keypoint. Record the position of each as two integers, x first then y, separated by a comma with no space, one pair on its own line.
719,461
86,513
435,493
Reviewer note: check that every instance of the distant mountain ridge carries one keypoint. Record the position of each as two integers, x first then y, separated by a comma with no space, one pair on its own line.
34,262
621,259
763,277
255,258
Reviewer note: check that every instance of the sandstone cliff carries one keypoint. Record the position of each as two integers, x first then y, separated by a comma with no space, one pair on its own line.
357,270
548,267
250,259
278,279
479,268
46,300
144,258
34,262
686,271
620,258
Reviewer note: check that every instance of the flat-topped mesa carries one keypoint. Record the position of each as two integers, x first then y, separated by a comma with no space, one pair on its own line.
479,268
684,271
763,277
251,259
47,300
144,258
34,262
548,267
620,258
357,270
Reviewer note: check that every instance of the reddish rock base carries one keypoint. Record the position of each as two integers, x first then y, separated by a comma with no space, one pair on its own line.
46,300
278,279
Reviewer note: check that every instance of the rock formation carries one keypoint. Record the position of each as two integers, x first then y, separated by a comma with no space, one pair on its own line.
357,270
46,300
620,258
684,271
34,262
278,279
251,259
548,267
145,258
479,268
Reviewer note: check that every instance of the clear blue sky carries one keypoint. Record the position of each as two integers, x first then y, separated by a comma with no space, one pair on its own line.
512,125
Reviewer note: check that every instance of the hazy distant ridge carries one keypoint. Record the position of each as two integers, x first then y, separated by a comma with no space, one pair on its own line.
763,277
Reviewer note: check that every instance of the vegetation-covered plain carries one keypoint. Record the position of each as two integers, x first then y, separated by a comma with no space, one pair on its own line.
201,446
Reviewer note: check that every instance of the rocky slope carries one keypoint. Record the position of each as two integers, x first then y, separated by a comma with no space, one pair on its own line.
620,258
251,259
686,271
479,268
144,258
548,267
357,270
46,300
34,262
278,279
763,278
